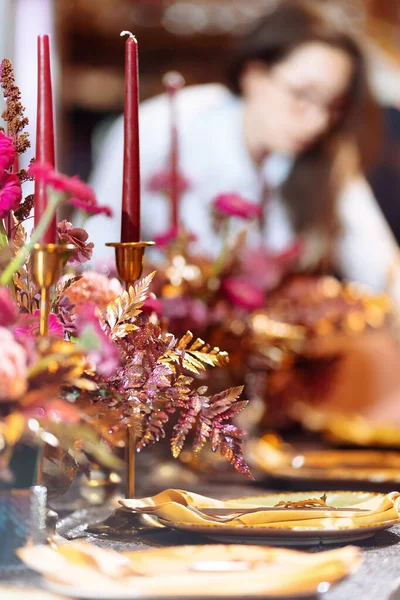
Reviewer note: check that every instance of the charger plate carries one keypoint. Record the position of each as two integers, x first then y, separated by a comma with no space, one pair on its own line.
291,535
370,467
209,571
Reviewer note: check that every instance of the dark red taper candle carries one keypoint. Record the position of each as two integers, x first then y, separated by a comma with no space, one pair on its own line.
44,132
130,218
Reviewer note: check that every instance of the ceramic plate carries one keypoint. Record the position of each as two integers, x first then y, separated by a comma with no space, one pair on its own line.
192,572
291,536
374,467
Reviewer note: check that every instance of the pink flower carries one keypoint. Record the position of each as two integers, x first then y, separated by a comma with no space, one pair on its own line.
13,367
7,152
78,237
80,194
164,239
10,194
101,350
242,293
161,181
153,305
95,288
8,308
234,205
28,326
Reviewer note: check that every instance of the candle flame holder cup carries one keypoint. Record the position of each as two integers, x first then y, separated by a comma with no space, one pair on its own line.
47,264
129,259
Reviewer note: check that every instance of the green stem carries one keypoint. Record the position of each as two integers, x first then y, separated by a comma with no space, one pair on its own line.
19,259
3,235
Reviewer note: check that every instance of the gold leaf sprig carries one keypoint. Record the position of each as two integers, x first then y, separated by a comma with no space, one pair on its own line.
120,313
196,356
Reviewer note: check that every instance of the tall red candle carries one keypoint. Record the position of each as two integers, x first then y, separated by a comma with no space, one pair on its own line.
130,218
173,82
44,132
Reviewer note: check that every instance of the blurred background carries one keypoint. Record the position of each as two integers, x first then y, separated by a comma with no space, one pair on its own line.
191,36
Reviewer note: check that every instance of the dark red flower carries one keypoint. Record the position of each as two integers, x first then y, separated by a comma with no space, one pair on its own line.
68,234
161,181
7,152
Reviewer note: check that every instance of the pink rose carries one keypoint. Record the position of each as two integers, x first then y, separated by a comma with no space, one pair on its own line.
13,367
233,205
10,194
7,152
243,294
95,288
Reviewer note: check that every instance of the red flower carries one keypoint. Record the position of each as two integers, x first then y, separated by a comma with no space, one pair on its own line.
234,205
10,194
162,182
67,234
7,152
242,293
153,305
80,194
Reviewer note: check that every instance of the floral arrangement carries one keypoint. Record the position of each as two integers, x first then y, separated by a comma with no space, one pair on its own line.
107,362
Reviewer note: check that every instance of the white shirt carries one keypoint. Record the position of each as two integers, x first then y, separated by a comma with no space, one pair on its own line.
214,158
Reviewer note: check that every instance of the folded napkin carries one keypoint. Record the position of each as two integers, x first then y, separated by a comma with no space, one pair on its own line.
186,571
174,506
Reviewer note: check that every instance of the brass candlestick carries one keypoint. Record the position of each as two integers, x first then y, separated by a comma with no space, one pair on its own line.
129,259
47,265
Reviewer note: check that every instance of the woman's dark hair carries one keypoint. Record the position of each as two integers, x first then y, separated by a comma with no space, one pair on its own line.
311,191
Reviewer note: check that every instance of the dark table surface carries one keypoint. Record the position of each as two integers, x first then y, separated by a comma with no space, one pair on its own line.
377,579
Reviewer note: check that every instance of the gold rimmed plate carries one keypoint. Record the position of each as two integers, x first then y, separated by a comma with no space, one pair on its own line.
208,571
351,466
299,531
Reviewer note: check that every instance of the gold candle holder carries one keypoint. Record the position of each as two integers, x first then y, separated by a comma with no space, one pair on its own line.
129,259
47,265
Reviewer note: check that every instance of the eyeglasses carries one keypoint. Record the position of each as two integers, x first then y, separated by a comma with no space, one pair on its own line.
305,100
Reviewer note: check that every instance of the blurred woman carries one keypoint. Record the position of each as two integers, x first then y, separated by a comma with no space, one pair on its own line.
294,131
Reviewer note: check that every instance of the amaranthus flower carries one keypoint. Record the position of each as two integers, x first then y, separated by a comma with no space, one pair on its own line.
10,194
233,205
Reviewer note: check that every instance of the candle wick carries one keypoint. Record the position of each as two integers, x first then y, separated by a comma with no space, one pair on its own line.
132,37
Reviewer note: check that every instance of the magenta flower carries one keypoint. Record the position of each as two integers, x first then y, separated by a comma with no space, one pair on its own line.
68,234
10,194
7,152
164,239
80,194
242,293
161,181
102,353
28,326
8,308
153,305
233,205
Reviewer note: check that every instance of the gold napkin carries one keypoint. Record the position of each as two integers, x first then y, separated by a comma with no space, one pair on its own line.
171,571
173,506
